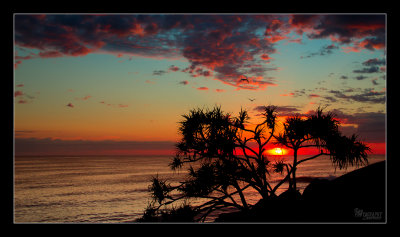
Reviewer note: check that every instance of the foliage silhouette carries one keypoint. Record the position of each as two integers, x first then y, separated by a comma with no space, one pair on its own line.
321,131
222,165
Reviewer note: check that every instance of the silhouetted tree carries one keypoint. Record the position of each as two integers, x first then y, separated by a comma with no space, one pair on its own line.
222,164
321,131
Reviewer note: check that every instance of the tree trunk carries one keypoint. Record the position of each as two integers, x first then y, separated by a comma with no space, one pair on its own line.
242,198
294,169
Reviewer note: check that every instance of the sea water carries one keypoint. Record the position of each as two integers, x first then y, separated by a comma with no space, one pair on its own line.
112,189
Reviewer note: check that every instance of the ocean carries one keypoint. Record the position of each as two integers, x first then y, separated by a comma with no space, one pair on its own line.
111,189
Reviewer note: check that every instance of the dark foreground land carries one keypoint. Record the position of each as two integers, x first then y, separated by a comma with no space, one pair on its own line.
358,196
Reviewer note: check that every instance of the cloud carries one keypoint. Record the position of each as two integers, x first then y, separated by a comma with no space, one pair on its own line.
49,146
325,50
18,93
361,77
184,82
23,97
173,68
23,132
19,85
196,72
289,94
374,82
367,95
222,44
374,62
159,72
219,90
265,57
226,47
70,105
362,31
313,96
203,88
83,98
372,69
370,126
298,93
114,105
150,82
22,101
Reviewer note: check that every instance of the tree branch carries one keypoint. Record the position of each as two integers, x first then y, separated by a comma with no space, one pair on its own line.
310,158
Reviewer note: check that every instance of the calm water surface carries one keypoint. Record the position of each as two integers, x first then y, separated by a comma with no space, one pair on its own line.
109,189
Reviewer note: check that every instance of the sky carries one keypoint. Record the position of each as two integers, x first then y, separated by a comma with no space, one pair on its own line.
120,83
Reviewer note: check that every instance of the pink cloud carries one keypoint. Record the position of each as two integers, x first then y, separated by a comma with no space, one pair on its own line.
17,63
265,57
219,90
290,94
50,54
18,93
174,68
19,85
83,98
70,105
313,95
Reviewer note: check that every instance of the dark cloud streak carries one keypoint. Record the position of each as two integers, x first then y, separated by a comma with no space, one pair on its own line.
48,146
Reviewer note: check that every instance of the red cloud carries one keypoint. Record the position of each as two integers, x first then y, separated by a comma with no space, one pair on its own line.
219,90
50,54
85,97
290,94
203,88
174,68
70,105
313,95
253,83
17,63
265,57
18,93
19,85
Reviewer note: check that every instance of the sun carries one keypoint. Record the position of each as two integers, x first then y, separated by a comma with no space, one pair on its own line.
278,151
